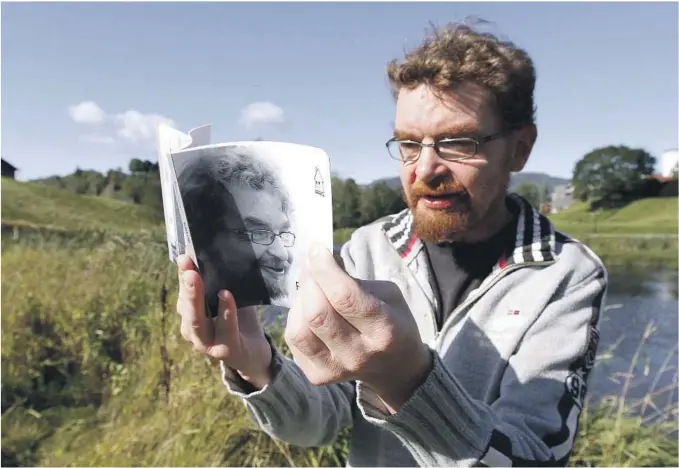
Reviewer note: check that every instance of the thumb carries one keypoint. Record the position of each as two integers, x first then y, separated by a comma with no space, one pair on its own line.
343,292
226,322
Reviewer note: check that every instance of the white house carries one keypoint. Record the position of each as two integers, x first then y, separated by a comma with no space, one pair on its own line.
562,197
668,162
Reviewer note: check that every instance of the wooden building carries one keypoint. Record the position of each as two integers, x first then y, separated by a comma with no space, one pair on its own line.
8,170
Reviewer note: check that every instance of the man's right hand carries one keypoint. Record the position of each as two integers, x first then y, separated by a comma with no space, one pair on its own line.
234,336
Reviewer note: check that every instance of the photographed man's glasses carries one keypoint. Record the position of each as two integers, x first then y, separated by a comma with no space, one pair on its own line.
450,149
266,237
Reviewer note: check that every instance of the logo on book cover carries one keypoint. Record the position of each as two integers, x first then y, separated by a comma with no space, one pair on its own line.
319,185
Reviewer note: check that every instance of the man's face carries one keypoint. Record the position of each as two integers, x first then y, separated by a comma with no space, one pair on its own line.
262,210
453,200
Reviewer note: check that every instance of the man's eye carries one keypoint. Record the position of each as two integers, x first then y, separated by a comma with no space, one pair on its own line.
409,146
458,146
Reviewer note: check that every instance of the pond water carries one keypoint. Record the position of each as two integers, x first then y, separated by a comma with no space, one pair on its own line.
639,299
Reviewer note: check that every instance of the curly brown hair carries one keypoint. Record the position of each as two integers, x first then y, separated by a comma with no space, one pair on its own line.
458,53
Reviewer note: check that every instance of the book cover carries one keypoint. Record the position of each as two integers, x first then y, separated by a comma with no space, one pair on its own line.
245,211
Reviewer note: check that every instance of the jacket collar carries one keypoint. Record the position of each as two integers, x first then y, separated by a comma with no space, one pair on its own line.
535,236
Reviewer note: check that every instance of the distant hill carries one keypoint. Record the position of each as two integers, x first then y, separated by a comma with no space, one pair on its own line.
138,188
540,179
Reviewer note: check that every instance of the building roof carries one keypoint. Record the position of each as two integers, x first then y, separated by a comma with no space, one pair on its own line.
659,177
6,163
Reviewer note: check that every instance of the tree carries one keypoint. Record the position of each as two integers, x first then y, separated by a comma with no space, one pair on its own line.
136,165
346,195
379,200
611,173
530,192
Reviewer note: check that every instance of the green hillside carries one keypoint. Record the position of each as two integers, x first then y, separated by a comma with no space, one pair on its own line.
37,204
646,216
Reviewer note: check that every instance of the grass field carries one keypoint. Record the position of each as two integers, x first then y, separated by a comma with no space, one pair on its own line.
617,235
650,215
39,205
95,372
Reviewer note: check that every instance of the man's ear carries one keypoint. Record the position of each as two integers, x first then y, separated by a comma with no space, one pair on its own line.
524,139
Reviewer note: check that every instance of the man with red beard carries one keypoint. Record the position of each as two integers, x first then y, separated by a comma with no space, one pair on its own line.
461,331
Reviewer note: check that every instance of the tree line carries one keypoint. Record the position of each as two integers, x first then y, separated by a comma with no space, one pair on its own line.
606,177
354,205
141,185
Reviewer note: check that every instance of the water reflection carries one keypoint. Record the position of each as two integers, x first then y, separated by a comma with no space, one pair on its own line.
635,282
639,338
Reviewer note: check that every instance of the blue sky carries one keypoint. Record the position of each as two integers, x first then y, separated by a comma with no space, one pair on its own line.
607,74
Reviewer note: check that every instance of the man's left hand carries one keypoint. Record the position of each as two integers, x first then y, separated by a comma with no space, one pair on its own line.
340,328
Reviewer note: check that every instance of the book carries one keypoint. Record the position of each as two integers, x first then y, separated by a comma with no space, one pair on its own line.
246,212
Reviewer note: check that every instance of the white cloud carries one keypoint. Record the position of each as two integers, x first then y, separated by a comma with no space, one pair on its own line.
137,127
259,113
98,139
87,112
131,125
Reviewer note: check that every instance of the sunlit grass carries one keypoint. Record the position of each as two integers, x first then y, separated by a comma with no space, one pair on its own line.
645,216
36,204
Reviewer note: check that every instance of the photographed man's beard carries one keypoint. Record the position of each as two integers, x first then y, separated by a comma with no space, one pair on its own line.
275,282
439,224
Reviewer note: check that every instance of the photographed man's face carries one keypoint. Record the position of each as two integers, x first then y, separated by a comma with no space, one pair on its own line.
449,198
262,210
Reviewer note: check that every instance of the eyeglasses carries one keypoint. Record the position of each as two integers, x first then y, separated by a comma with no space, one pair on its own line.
266,237
450,149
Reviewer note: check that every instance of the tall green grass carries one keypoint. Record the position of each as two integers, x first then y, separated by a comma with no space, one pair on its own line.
95,373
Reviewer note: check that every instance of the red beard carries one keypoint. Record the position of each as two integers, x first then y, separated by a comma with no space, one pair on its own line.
442,223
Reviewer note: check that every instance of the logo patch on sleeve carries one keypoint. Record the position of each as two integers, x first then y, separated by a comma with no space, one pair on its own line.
576,382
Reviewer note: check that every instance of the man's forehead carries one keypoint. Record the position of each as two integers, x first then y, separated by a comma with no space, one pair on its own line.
421,111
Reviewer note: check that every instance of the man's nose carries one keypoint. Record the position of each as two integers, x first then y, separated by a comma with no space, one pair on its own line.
429,165
278,249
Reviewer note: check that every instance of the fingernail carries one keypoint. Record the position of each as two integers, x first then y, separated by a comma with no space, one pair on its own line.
222,295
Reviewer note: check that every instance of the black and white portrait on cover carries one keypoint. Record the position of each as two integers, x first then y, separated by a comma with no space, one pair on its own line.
240,218
246,212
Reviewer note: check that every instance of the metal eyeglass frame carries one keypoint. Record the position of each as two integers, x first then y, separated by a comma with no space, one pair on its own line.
250,235
476,141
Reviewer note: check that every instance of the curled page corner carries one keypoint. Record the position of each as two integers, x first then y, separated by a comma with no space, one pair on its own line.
171,140
200,136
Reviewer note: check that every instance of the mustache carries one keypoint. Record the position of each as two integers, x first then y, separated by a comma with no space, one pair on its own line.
277,264
437,188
